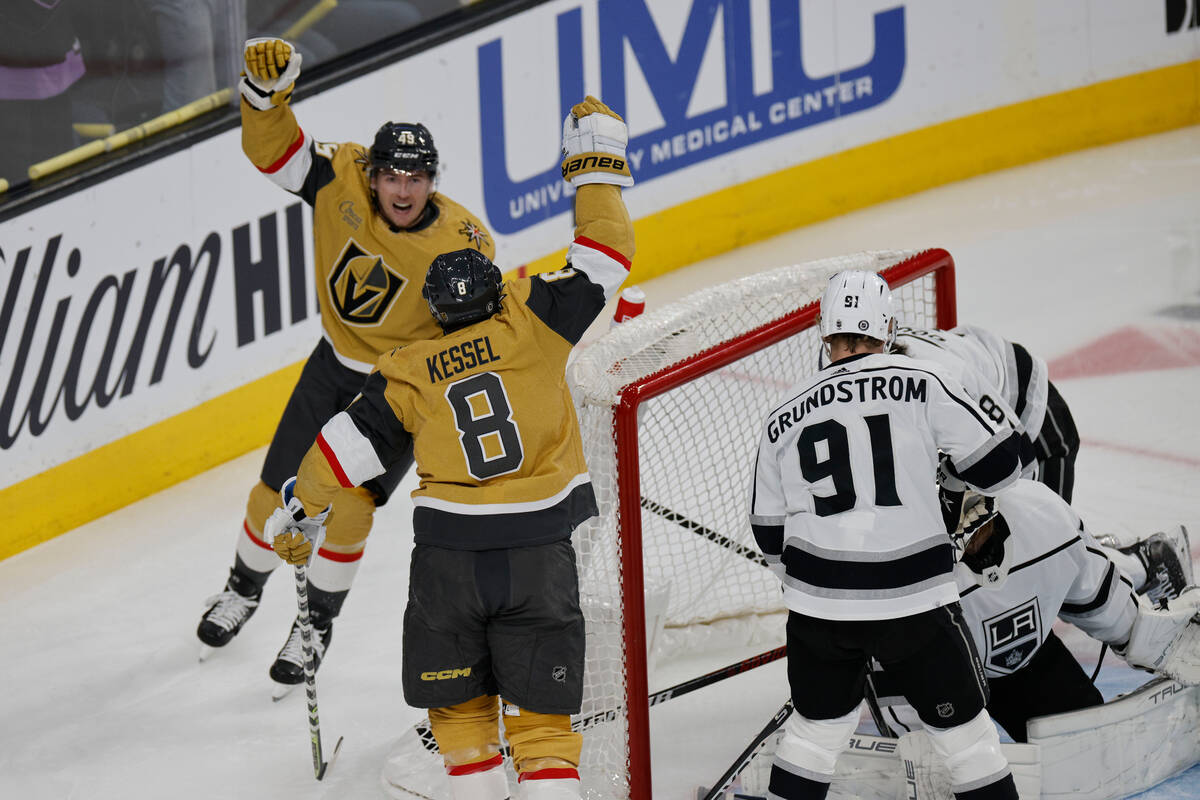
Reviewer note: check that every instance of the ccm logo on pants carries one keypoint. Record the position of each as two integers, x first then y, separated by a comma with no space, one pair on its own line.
446,674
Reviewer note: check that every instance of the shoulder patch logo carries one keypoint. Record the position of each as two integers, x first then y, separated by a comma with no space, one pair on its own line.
362,286
475,234
1013,636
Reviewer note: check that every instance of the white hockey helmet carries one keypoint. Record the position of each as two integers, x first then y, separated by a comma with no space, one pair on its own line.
859,301
990,559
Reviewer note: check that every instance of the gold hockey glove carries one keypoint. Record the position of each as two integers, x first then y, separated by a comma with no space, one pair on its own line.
293,534
594,141
293,547
272,66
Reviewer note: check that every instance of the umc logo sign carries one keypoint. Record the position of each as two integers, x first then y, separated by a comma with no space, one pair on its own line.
1012,637
795,100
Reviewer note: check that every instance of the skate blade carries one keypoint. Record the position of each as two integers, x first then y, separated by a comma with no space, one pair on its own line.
282,690
205,652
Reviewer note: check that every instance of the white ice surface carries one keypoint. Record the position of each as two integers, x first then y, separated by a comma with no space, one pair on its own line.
101,693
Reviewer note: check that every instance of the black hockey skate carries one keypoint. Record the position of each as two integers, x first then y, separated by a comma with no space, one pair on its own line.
288,668
228,611
1167,558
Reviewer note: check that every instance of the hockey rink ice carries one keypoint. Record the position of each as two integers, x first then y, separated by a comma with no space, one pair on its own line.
1091,260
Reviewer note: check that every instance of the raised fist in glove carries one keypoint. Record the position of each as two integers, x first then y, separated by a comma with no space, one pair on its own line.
594,140
271,69
292,533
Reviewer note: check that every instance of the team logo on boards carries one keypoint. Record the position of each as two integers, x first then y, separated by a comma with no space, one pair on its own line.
1012,637
362,286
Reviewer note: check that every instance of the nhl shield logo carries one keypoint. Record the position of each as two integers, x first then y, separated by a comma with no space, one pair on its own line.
559,674
1012,637
362,286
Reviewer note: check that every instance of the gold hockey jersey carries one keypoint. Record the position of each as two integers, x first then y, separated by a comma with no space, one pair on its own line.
495,435
368,274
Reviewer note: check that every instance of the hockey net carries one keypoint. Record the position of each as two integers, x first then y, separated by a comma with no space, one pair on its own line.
670,406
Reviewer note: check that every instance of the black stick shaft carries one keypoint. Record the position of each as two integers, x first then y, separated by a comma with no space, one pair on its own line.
756,744
749,553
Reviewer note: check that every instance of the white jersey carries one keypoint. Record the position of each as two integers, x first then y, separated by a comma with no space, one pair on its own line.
1020,378
844,504
1058,570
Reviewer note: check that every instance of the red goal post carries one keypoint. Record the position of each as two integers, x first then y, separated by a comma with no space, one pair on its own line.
673,472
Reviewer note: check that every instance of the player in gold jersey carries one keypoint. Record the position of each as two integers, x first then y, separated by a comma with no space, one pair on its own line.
493,615
377,224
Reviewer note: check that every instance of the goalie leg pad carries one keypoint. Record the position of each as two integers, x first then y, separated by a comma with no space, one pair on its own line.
810,747
468,733
972,753
542,743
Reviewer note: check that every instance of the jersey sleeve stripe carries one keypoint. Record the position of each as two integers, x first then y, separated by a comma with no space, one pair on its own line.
602,265
1024,365
292,169
1101,598
332,458
287,154
994,465
350,454
612,253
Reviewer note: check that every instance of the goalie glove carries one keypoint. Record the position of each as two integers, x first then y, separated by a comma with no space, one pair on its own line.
292,533
1167,641
272,66
594,140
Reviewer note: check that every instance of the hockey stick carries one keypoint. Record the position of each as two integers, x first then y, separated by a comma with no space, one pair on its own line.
670,693
742,550
876,712
320,766
756,744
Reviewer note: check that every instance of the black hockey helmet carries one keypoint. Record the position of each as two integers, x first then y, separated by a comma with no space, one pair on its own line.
405,147
462,287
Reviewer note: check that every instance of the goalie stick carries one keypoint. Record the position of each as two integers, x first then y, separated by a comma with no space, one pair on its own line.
320,766
670,693
756,744
703,532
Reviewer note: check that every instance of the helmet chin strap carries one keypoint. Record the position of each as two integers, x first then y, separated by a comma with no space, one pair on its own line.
891,336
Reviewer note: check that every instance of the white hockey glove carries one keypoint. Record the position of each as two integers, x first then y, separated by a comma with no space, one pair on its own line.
272,66
293,534
1167,641
594,140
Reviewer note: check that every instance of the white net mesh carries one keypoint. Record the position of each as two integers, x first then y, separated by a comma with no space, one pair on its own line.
694,453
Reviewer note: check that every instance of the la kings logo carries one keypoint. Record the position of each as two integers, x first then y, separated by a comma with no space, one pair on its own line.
362,286
1013,636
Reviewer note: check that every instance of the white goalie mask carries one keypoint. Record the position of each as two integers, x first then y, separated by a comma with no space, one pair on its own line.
859,301
989,560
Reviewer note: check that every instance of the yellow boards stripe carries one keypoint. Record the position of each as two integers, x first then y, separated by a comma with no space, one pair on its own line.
119,473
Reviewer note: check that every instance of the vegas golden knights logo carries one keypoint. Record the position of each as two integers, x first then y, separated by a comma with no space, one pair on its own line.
362,286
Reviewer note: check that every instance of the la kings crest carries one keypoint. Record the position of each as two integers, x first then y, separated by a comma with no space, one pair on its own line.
1012,637
362,286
